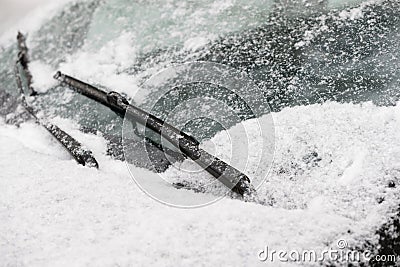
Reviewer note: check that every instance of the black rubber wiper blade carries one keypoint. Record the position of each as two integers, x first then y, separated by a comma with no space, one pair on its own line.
189,146
74,148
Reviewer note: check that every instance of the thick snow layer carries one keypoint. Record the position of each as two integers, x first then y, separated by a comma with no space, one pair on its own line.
329,180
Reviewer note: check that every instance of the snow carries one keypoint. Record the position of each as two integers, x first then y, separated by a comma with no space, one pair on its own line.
110,60
353,171
34,138
195,43
347,14
42,76
12,10
355,13
31,21
55,212
171,23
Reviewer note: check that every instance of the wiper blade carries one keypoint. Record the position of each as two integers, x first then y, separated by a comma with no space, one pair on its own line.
75,149
189,146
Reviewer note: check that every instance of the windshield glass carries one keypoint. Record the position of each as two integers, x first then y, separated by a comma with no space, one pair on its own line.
298,53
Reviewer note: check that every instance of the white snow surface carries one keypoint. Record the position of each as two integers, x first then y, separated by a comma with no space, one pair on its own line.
56,213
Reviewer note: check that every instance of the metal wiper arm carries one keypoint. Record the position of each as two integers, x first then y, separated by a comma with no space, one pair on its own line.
189,146
24,61
82,155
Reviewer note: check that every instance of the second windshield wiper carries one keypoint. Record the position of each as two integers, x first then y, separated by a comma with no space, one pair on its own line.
226,174
82,155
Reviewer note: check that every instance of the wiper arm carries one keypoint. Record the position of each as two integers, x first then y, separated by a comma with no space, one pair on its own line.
75,149
24,61
189,146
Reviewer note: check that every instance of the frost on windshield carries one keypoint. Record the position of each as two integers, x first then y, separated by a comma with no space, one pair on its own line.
297,55
345,56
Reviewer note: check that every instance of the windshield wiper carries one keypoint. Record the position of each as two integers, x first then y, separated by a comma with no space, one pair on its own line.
189,146
74,148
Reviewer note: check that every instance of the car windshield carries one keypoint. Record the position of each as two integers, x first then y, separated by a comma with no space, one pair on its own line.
327,50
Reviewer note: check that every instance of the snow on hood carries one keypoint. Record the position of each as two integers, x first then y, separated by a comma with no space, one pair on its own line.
329,180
